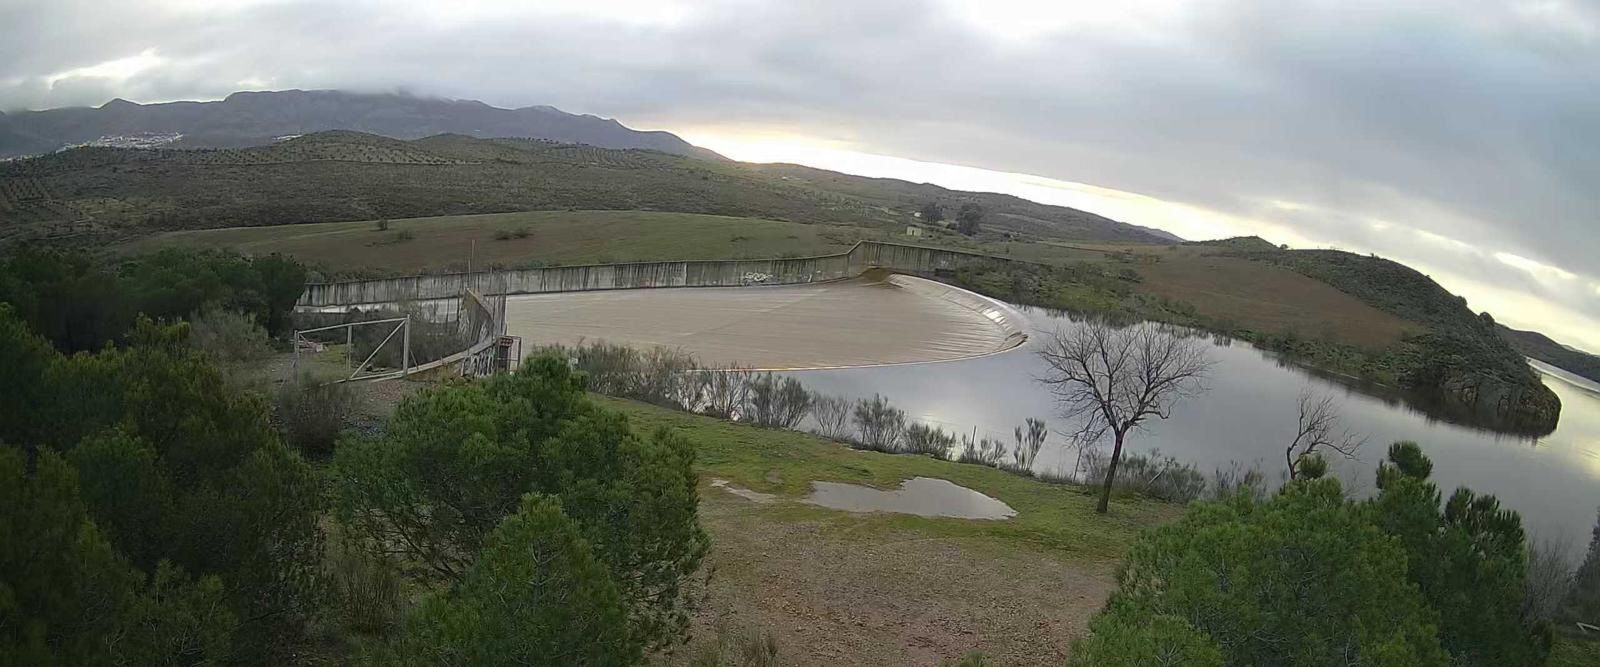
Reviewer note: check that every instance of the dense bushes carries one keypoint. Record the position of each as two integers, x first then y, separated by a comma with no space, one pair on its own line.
1469,557
878,424
1150,474
1310,578
81,303
178,473
70,599
538,594
313,413
455,462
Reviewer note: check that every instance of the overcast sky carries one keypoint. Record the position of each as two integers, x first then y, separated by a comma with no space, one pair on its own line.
1461,137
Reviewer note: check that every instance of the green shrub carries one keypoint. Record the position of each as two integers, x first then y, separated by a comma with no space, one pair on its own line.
930,440
70,599
313,411
537,595
455,462
1469,559
1303,579
228,336
1150,474
878,424
367,590
175,466
777,402
1124,636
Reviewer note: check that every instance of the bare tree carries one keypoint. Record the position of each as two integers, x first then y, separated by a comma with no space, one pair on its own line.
879,424
1112,379
727,391
832,414
1318,430
1548,579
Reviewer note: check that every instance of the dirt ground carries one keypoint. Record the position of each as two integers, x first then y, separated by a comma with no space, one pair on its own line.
829,597
1269,298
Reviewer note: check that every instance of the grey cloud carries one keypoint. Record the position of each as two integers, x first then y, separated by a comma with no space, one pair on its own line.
1474,121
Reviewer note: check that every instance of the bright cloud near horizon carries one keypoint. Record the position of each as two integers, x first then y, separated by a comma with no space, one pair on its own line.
1459,138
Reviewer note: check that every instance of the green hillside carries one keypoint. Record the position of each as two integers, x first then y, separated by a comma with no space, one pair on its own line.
342,176
1541,347
1354,315
1461,355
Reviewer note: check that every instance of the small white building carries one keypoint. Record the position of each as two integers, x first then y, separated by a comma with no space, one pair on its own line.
913,231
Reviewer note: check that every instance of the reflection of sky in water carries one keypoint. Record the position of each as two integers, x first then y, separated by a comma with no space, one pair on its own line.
1248,414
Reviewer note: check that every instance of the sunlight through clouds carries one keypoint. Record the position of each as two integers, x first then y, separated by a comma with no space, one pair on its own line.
1513,306
1540,270
118,70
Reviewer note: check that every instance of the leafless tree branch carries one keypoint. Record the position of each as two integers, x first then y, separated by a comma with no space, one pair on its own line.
1109,380
1319,430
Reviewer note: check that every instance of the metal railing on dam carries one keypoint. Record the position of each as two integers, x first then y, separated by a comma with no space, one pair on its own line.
862,257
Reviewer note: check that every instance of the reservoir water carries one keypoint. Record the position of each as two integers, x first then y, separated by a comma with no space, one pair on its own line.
1248,414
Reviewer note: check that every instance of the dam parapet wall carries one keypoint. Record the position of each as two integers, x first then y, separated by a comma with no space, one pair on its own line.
862,257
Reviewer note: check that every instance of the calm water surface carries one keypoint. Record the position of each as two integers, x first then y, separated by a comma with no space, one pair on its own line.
1248,414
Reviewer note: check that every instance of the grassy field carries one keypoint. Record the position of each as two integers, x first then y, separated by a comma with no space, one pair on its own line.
342,176
1573,652
1055,517
552,237
833,587
513,240
1263,297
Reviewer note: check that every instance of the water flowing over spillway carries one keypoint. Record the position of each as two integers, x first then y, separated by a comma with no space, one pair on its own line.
861,322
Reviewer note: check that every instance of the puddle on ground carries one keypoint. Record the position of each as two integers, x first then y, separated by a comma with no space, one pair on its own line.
747,494
922,496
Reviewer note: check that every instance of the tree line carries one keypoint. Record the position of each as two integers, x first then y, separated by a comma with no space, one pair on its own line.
81,302
154,514
1309,577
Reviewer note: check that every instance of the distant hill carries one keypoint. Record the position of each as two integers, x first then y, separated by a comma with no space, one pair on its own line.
257,118
1461,355
98,192
1541,347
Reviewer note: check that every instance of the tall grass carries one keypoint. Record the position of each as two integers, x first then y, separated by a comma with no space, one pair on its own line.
366,590
672,378
1150,474
738,647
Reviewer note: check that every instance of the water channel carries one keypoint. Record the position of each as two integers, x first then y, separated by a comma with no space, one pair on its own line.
1248,413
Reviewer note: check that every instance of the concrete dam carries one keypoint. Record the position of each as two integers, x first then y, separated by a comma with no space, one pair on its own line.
863,307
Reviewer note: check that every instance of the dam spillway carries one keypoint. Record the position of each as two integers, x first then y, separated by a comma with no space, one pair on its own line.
868,321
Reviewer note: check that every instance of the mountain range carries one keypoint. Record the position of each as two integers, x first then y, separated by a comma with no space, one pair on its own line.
257,118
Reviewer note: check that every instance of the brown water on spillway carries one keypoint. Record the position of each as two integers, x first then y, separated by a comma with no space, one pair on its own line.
922,496
861,322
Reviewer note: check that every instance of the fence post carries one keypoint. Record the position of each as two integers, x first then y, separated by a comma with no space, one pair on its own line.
405,344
